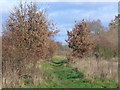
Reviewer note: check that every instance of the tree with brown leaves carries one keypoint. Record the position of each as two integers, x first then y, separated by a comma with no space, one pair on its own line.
27,38
79,40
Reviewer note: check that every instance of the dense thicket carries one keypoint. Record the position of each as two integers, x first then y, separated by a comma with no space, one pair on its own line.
26,39
107,41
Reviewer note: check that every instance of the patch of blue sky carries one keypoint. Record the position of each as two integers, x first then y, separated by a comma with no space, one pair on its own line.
64,14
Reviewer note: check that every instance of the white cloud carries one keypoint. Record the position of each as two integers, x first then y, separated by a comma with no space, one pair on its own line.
105,14
70,16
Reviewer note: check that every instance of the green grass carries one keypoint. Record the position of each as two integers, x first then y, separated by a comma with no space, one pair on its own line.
58,74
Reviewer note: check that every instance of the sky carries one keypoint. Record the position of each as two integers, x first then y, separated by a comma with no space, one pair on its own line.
64,14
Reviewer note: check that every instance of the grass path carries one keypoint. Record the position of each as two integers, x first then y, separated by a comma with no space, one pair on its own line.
58,74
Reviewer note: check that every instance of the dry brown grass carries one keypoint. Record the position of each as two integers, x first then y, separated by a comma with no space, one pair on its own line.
98,68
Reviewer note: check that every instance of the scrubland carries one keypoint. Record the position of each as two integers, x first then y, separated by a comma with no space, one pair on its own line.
32,59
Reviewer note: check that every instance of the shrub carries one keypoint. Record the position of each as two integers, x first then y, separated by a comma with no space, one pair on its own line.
107,41
27,38
79,40
104,48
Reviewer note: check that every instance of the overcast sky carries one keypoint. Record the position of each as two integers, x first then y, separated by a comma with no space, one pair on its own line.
64,14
